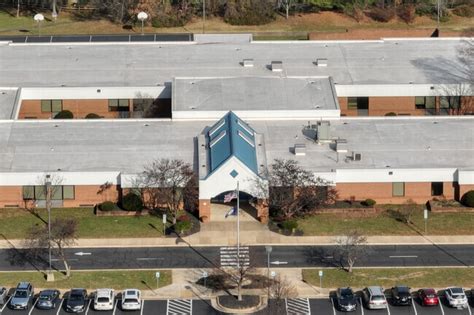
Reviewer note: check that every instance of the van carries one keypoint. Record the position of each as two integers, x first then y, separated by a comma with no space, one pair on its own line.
374,298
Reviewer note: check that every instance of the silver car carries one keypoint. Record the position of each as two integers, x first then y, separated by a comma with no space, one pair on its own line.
22,296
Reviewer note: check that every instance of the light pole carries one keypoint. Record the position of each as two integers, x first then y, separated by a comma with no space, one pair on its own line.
142,16
268,249
39,18
18,9
203,14
50,275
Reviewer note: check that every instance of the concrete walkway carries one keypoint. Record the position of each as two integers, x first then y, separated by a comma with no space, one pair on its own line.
225,235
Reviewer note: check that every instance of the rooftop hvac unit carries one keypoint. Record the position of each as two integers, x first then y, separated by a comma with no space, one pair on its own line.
247,63
341,146
322,62
356,156
277,66
323,131
300,149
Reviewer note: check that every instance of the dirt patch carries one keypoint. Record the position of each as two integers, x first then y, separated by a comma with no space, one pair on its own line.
371,34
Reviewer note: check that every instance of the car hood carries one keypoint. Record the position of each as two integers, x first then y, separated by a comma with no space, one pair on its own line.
18,300
75,303
347,301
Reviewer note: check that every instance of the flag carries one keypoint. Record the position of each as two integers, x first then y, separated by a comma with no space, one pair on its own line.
230,196
232,211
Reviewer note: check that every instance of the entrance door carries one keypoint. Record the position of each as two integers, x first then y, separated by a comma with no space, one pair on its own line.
361,104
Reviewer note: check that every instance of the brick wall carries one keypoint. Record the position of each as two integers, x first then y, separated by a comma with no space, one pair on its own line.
205,210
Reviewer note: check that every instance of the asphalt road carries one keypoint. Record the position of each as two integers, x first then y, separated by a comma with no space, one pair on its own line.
208,257
323,306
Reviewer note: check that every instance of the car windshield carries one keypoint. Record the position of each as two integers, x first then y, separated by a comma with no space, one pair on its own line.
457,291
430,296
45,297
403,290
347,294
103,300
75,297
459,296
21,294
130,301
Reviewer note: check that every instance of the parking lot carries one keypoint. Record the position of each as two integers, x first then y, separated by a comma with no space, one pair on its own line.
203,307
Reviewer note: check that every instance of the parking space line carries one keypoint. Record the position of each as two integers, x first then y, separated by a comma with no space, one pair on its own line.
141,308
60,306
8,301
388,308
88,305
414,307
469,308
361,306
333,306
441,307
33,307
115,307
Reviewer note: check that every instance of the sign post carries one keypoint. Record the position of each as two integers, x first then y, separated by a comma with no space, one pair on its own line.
164,223
425,216
321,279
204,275
157,275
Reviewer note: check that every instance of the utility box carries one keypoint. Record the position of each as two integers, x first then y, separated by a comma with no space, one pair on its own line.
300,149
277,66
247,63
321,62
341,146
323,131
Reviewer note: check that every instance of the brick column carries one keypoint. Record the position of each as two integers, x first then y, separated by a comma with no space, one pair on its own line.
205,210
262,210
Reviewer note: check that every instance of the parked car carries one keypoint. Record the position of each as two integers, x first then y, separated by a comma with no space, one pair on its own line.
76,301
48,299
22,296
131,299
346,300
428,297
374,298
104,300
3,295
456,297
401,295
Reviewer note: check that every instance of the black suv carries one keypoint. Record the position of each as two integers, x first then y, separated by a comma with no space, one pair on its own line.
401,295
76,301
346,300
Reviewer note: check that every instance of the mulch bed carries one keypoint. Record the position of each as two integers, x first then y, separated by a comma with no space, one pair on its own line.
230,301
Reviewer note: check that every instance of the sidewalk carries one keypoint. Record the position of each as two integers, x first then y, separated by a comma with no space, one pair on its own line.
211,237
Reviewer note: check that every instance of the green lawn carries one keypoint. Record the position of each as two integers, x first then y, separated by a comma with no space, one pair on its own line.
385,224
413,277
14,223
118,280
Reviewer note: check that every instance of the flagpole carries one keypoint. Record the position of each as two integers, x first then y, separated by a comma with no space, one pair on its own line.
238,227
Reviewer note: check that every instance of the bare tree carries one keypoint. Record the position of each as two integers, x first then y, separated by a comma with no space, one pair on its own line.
63,234
293,191
163,183
281,289
350,247
407,210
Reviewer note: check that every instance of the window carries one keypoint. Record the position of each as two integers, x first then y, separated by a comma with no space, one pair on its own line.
398,189
425,102
352,103
39,192
448,102
120,105
436,188
51,106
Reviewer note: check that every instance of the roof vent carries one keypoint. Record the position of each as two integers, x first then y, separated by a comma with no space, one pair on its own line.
247,63
323,130
300,149
322,62
277,66
356,156
341,146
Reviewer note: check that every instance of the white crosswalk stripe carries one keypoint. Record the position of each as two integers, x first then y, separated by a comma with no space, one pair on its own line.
179,307
298,306
229,256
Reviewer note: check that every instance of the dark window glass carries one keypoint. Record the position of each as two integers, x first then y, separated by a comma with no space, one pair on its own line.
436,188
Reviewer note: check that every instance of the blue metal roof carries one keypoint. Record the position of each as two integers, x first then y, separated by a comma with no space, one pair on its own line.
231,136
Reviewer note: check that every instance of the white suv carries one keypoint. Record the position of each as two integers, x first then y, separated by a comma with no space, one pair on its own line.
104,300
131,299
456,297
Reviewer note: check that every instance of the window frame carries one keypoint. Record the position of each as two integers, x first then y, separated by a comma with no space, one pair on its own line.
437,186
119,105
38,192
395,189
352,103
47,106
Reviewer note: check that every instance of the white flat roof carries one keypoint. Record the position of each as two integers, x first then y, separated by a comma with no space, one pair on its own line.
127,145
7,103
394,61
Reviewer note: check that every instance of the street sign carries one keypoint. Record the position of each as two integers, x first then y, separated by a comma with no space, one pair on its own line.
273,274
279,262
82,254
204,274
157,275
425,214
164,218
320,273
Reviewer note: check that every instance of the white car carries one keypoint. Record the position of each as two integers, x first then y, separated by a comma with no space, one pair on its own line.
104,300
456,297
131,299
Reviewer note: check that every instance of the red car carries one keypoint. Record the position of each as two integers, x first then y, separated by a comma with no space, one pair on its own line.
428,297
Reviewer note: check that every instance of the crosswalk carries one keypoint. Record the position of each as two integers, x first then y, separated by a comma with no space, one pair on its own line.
179,307
298,306
229,256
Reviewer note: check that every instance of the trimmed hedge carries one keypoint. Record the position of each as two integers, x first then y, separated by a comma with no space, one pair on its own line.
468,199
64,114
132,202
183,226
107,206
92,116
289,225
369,202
